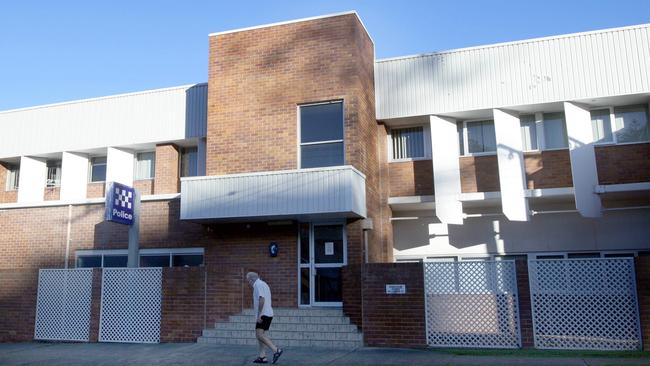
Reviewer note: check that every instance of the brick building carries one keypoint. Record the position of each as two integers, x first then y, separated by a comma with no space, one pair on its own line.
530,149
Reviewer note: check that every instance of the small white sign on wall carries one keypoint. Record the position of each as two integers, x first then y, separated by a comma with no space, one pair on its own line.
396,289
329,248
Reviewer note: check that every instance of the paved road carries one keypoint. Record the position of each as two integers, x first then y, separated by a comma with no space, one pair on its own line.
69,354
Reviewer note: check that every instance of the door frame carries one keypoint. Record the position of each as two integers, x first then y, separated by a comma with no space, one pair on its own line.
313,266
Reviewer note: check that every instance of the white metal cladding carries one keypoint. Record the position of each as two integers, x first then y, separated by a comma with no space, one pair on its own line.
332,191
121,120
130,309
472,304
584,304
63,304
575,66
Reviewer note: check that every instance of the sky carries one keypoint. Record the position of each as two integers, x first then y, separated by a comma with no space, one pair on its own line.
56,51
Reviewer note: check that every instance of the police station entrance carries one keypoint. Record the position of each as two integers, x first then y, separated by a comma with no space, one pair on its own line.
323,251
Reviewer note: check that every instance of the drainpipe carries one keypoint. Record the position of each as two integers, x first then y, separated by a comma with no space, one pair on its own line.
67,240
366,225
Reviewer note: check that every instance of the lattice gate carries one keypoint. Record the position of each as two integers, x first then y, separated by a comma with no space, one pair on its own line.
472,304
585,304
63,304
130,308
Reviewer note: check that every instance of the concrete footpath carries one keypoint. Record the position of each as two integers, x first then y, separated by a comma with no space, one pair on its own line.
69,354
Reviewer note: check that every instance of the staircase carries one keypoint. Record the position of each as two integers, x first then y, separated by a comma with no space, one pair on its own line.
313,327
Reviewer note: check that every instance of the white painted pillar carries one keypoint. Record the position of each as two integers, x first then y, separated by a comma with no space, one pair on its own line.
512,174
74,176
31,184
446,170
119,166
201,157
583,159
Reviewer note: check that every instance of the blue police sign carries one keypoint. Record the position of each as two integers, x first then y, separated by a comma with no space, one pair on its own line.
120,201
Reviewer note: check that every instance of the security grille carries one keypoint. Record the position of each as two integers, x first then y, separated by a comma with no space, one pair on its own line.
63,304
472,304
584,304
130,310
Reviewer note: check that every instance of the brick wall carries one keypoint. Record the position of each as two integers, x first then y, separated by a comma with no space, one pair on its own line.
6,196
620,164
18,289
144,186
167,169
183,304
479,174
52,193
642,268
96,190
548,169
352,293
411,178
525,309
393,320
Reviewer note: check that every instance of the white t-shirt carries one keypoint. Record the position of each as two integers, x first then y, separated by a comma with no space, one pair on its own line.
261,289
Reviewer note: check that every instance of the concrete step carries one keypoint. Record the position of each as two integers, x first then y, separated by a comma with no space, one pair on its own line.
285,335
290,327
250,319
300,312
286,343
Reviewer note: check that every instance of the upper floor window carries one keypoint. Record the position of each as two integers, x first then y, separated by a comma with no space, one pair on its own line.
555,135
189,162
13,176
408,143
145,165
98,169
53,173
479,137
321,135
620,124
528,132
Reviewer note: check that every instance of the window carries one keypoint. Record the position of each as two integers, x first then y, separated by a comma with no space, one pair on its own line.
174,257
555,136
145,165
189,162
631,124
98,169
601,126
480,137
408,143
528,132
321,135
13,176
53,173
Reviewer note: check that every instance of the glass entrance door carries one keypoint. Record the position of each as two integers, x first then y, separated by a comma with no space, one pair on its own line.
323,251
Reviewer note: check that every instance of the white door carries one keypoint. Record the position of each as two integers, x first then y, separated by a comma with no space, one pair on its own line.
323,251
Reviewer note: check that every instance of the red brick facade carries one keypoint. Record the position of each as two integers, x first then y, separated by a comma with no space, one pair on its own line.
96,190
411,178
548,169
167,169
642,269
479,174
619,164
52,194
6,196
144,186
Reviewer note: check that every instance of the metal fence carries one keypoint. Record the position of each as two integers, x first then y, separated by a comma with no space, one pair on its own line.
584,304
471,304
63,304
130,306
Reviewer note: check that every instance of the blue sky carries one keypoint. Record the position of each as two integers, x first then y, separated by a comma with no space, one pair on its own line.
64,50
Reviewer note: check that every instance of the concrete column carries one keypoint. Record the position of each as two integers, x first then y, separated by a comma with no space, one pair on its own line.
446,169
512,175
119,166
200,157
583,159
74,176
31,184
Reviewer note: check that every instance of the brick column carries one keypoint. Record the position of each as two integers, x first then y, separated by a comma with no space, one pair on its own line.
525,310
167,169
352,298
642,268
95,305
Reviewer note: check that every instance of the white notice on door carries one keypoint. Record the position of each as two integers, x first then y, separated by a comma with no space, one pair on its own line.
329,248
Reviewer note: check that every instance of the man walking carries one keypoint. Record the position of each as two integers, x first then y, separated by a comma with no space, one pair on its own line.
263,316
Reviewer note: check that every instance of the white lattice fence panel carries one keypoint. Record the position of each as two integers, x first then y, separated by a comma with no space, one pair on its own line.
130,310
63,304
584,304
472,304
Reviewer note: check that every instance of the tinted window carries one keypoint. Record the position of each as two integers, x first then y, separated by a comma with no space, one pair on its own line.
115,260
89,261
322,122
187,260
313,156
154,261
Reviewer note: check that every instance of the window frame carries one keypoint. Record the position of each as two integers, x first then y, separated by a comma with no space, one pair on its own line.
169,252
536,124
91,166
612,124
299,130
426,143
135,164
183,152
13,174
465,146
56,164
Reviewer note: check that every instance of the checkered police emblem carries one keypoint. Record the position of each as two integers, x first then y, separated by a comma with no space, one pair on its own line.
120,203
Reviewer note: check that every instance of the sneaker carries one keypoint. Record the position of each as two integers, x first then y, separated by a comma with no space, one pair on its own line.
277,355
261,360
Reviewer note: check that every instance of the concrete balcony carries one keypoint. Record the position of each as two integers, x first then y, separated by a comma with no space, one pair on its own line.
305,194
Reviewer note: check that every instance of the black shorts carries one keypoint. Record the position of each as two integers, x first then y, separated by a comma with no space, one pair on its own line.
265,324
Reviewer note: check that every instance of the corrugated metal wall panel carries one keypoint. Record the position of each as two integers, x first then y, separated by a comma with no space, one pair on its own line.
152,116
323,191
587,65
